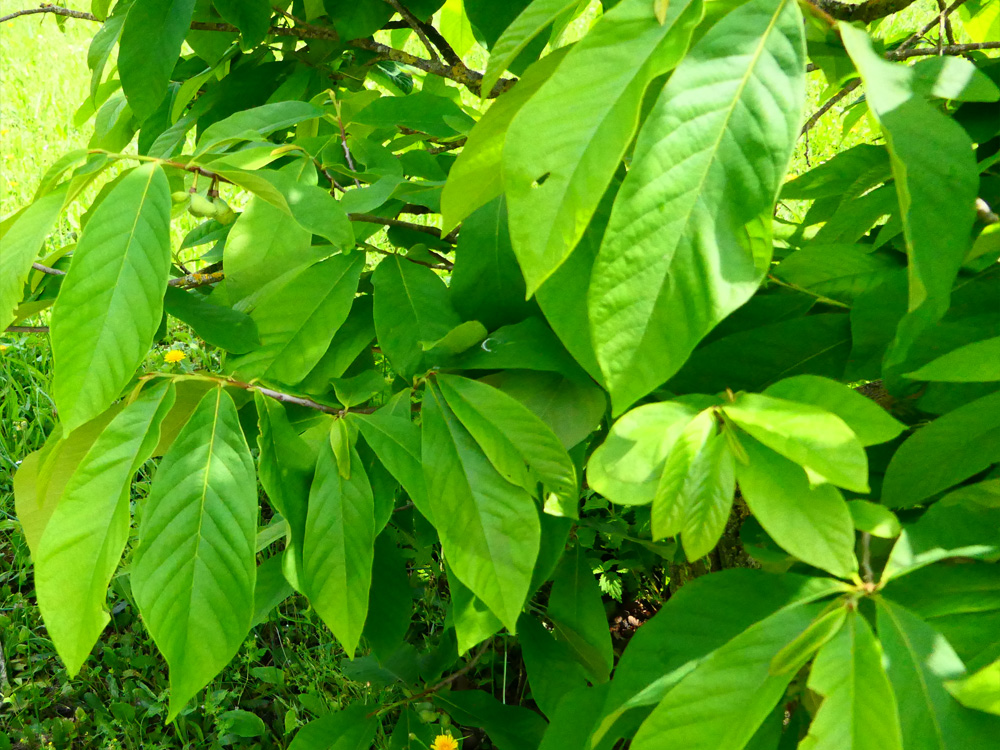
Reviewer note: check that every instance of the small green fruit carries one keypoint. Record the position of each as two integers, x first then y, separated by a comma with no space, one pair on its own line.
201,206
179,196
223,213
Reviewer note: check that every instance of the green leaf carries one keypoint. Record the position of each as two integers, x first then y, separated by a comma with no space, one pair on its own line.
396,442
572,410
286,466
971,363
866,419
21,243
954,78
696,491
943,453
791,658
390,605
429,113
859,708
461,338
574,717
627,467
838,272
821,442
474,179
811,522
553,670
531,22
150,44
486,283
814,344
936,181
349,729
89,528
297,321
411,305
111,302
875,519
338,546
962,524
510,727
219,326
350,340
251,17
254,123
270,589
918,660
979,691
473,620
194,570
552,192
676,258
489,527
577,612
726,697
265,249
518,444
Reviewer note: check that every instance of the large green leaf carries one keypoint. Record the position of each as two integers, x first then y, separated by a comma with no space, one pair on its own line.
218,325
528,24
150,44
473,620
943,453
866,419
936,181
111,302
474,179
812,523
297,322
918,661
254,123
859,709
510,727
627,467
968,364
338,546
390,604
552,667
577,612
411,306
838,272
726,697
396,442
709,160
518,443
818,440
21,243
251,17
87,532
194,570
979,690
489,527
555,169
349,729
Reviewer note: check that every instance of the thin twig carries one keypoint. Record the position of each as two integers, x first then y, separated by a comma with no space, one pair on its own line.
46,269
287,398
26,329
193,280
414,24
372,219
343,142
443,265
946,32
866,557
830,102
917,36
948,49
865,12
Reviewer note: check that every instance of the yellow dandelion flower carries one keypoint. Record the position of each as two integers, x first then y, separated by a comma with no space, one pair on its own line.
174,356
3,347
444,742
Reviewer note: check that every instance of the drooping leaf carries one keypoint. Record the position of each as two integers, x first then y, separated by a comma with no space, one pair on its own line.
489,527
859,708
813,523
253,123
979,691
110,303
338,546
348,729
867,420
396,441
390,606
519,444
677,258
552,192
270,589
297,322
251,17
219,326
88,530
818,440
727,696
936,181
473,620
971,363
411,305
944,453
21,243
875,519
918,661
552,668
194,571
577,612
150,44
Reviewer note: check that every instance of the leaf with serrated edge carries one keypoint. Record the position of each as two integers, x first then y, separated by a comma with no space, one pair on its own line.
111,302
709,161
194,571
